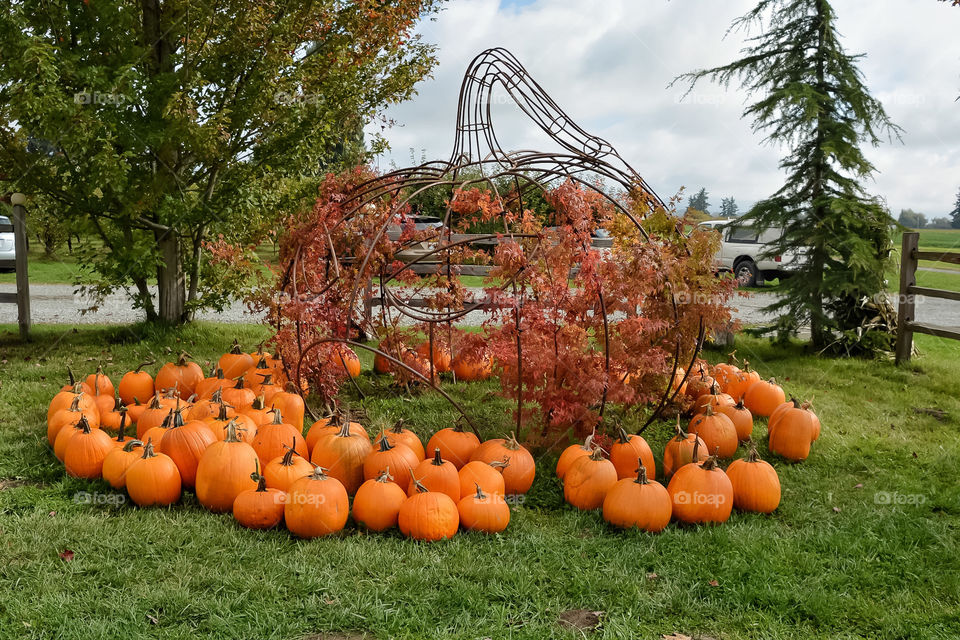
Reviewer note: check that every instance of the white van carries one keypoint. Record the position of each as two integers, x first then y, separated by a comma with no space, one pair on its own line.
742,248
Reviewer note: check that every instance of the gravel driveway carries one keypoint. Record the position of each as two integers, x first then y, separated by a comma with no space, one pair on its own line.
57,304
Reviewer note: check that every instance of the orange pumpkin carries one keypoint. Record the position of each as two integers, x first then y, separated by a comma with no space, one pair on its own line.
153,479
317,505
342,454
212,387
573,453
440,357
717,432
185,444
81,406
742,380
343,359
428,515
455,444
792,434
224,471
85,452
470,368
682,449
331,425
625,452
236,362
756,486
518,476
395,459
291,404
588,480
701,493
64,398
741,418
136,385
284,470
398,434
181,376
638,503
438,475
488,475
763,397
99,383
239,397
377,503
270,439
259,508
117,462
487,513
714,398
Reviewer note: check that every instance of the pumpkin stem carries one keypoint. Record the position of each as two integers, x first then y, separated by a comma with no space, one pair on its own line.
385,442
416,483
182,360
641,473
458,425
796,403
714,388
681,434
437,460
277,416
740,406
258,477
75,403
398,426
319,473
709,464
70,377
385,476
123,422
142,365
597,454
511,442
131,445
501,464
345,429
709,410
696,449
622,436
288,454
258,403
232,431
267,379
752,455
239,384
222,412
732,357
480,494
83,424
235,349
148,449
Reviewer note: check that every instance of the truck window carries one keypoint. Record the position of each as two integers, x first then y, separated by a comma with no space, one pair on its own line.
742,234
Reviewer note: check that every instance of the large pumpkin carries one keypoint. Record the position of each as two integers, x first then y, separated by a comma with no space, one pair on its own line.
572,453
272,438
397,460
701,493
428,515
399,434
717,432
588,480
331,425
117,462
136,385
185,444
224,471
487,513
489,476
436,475
756,486
377,503
153,479
741,418
85,452
284,470
625,452
455,444
181,376
235,363
636,502
81,406
342,455
519,474
763,397
317,505
792,434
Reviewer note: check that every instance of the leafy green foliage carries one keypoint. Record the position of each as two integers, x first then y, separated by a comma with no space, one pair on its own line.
955,214
162,124
810,97
728,208
700,200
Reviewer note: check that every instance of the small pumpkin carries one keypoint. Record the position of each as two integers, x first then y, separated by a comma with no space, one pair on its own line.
224,471
714,398
573,453
235,363
741,418
342,455
763,397
317,505
153,416
440,357
136,385
100,383
625,452
701,493
717,432
756,485
259,412
64,398
284,470
153,479
682,449
272,436
437,475
259,508
588,480
377,503
181,376
343,360
85,452
637,502
213,385
332,424
398,434
117,462
792,434
428,515
291,404
488,475
699,383
487,513
518,476
398,457
471,368
81,406
239,397
741,381
246,429
455,444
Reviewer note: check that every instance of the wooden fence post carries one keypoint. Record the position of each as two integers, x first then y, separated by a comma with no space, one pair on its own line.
906,305
23,281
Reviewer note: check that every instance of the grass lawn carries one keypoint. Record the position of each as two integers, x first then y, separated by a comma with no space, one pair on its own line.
864,543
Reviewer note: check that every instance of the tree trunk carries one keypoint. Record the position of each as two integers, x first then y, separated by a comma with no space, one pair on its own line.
818,250
170,280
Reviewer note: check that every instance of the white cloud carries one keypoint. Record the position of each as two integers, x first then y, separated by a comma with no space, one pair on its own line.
607,63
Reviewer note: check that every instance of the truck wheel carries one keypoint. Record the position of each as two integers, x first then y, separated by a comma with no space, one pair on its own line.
747,273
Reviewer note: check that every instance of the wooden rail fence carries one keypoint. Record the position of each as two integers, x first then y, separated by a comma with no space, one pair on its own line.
907,324
22,296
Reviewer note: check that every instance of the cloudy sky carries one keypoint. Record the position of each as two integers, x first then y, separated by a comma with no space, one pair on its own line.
607,63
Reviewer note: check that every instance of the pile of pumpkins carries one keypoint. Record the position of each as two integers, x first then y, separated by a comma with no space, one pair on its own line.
236,439
724,403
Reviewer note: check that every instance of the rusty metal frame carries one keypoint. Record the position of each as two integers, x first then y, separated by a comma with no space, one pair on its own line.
478,151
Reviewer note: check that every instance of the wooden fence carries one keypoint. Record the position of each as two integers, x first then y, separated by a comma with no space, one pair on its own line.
907,324
22,295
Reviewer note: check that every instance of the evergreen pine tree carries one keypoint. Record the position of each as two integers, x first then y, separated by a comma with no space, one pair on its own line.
808,95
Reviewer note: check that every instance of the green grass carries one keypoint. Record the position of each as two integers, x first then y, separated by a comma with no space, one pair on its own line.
831,562
62,269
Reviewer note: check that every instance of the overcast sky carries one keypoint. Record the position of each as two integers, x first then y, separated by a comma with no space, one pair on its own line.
607,63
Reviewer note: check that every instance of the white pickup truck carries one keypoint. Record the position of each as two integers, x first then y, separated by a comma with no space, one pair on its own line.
742,250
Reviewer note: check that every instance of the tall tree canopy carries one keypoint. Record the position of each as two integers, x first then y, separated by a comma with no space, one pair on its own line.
165,123
955,214
700,200
809,96
728,208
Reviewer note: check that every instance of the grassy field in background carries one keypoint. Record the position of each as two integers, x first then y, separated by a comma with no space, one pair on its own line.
864,543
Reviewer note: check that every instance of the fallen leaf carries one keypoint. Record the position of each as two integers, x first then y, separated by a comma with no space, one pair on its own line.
676,636
859,485
582,619
652,576
152,619
714,583
66,555
52,513
836,509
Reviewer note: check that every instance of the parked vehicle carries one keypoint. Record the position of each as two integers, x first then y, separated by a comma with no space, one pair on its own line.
8,250
744,252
